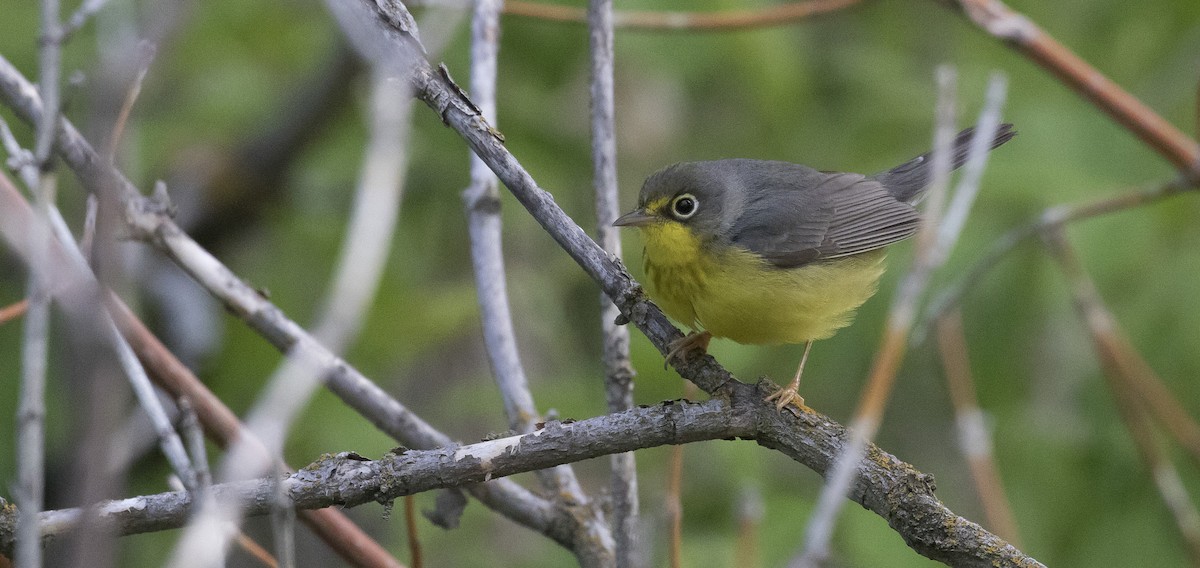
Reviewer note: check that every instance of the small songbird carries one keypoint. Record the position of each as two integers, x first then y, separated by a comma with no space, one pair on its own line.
765,252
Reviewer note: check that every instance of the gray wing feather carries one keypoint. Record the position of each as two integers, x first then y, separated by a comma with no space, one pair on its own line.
815,216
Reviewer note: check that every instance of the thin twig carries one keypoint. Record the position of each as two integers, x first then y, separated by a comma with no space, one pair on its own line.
955,219
19,160
673,495
1117,357
974,436
732,20
373,220
1020,33
144,58
255,550
750,511
618,371
80,18
283,520
410,525
49,73
482,201
13,311
673,505
31,411
950,297
193,434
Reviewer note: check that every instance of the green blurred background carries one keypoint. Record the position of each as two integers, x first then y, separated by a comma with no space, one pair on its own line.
851,91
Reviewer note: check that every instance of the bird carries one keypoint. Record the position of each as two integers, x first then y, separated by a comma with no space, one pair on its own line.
769,252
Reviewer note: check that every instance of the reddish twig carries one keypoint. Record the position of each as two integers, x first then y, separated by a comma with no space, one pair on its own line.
131,96
749,517
673,502
223,426
255,550
974,437
997,19
673,498
778,15
13,311
410,519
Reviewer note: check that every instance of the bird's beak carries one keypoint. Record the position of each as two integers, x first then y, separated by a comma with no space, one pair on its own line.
635,218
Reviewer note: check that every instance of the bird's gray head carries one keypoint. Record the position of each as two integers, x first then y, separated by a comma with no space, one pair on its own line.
700,195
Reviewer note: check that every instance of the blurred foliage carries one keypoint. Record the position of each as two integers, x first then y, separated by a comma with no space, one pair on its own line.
851,91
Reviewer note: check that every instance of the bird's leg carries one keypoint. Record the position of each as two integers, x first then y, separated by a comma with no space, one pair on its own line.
681,349
789,394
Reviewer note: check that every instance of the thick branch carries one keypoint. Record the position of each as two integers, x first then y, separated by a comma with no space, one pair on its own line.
884,484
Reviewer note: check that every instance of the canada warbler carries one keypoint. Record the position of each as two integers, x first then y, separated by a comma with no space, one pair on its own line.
765,252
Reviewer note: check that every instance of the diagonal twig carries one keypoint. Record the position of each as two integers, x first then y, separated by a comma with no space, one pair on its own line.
1124,370
974,435
952,295
1021,33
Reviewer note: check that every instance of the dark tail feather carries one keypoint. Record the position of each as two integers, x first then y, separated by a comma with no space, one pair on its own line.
906,181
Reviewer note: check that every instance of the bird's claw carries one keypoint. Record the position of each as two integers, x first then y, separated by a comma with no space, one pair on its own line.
681,349
785,396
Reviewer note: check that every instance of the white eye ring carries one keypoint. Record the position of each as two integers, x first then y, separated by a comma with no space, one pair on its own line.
684,206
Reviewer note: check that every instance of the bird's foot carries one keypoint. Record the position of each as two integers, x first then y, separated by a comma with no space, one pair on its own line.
682,350
785,396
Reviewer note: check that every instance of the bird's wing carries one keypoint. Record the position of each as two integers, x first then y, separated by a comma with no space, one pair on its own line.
826,216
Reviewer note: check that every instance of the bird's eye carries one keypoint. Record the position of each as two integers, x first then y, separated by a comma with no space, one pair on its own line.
684,206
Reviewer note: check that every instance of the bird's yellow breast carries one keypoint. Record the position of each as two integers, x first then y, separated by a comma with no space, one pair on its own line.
734,293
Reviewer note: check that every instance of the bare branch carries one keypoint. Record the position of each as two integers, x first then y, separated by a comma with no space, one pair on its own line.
1020,33
482,200
31,411
618,371
884,484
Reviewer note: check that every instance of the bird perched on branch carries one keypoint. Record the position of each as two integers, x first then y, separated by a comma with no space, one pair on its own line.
765,252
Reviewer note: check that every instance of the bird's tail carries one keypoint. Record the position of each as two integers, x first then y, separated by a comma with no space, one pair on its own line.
906,181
